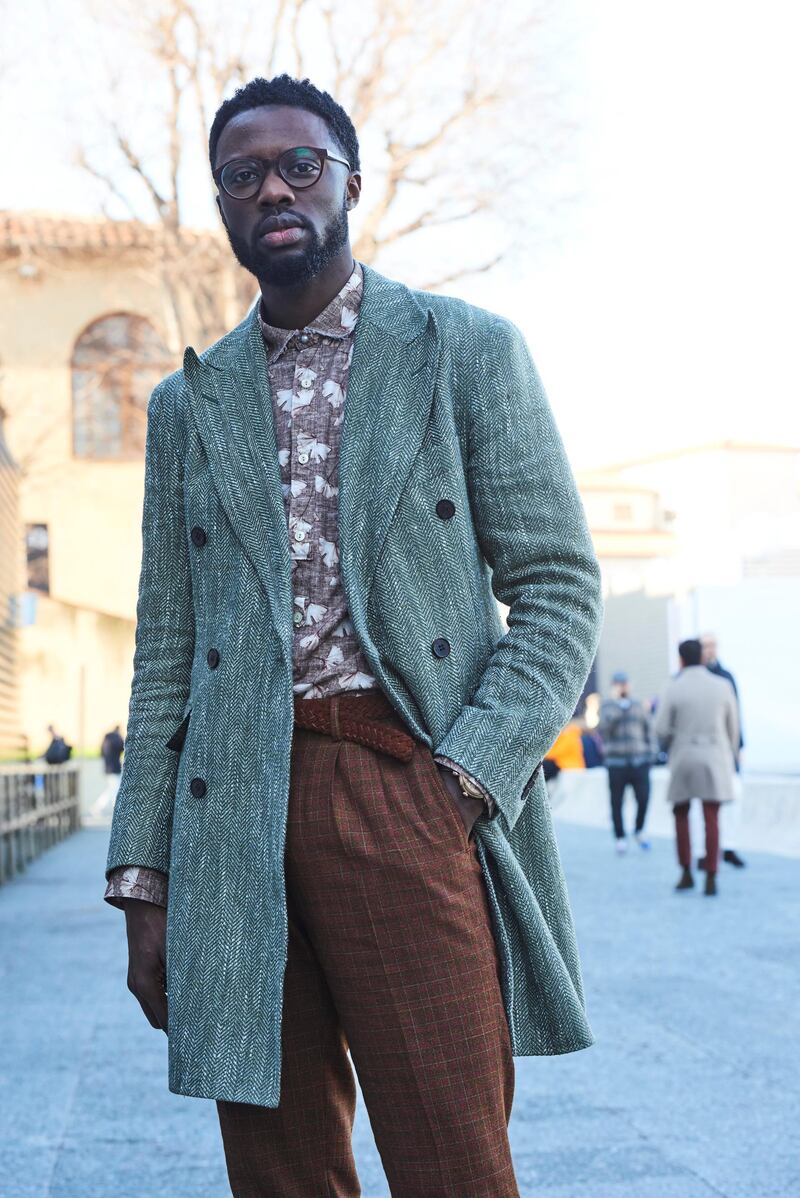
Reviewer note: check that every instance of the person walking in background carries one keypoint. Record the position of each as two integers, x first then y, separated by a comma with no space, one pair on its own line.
111,751
626,731
729,816
58,751
698,724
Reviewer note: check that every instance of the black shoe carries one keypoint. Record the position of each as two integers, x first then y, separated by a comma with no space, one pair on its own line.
711,883
701,863
686,881
733,858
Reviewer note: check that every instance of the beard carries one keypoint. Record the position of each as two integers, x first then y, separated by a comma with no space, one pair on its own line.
293,267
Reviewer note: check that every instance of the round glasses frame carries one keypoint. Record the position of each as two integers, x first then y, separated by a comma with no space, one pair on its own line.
263,166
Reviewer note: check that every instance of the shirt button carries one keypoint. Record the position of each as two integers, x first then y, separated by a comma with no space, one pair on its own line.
306,384
304,338
298,617
299,535
302,457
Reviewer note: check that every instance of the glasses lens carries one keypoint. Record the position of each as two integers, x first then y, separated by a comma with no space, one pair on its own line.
242,178
301,166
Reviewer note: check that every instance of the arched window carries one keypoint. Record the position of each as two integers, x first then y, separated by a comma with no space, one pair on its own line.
116,362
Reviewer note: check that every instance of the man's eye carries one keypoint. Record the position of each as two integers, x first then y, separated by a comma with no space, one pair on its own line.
242,176
304,170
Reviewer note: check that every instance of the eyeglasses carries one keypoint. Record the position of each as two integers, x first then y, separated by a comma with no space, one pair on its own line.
300,167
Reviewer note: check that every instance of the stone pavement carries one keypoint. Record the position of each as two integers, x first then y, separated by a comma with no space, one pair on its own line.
692,1090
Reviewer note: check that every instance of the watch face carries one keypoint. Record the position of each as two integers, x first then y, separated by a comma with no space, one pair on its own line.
469,788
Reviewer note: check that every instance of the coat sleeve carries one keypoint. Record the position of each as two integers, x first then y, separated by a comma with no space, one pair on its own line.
664,721
732,723
532,532
141,828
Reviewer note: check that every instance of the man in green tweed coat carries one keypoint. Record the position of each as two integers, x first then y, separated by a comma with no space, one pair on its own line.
332,831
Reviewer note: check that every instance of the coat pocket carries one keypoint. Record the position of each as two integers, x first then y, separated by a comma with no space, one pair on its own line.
179,735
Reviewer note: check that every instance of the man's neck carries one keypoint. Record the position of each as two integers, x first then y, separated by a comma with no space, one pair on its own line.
295,307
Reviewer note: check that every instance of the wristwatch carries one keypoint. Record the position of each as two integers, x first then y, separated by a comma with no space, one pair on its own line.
470,788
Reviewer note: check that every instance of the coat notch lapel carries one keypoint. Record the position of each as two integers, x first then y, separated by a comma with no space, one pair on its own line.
231,402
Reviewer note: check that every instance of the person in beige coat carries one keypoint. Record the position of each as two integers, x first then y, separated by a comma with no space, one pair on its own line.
698,725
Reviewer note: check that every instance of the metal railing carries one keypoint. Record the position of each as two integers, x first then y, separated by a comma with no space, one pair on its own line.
39,806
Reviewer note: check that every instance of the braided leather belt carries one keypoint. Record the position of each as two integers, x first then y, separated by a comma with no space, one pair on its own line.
355,717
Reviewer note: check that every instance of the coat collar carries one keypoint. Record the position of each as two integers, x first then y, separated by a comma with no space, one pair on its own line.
386,412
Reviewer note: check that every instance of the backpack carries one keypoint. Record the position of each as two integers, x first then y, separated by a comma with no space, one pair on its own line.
58,751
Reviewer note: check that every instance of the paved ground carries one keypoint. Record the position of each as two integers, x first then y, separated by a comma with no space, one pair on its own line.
692,1090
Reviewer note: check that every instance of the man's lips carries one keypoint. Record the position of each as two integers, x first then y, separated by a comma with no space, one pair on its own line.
283,236
280,229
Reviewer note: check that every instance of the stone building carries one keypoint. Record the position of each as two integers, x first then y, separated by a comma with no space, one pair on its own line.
11,740
85,332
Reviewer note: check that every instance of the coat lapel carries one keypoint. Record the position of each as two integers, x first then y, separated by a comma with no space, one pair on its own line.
386,411
231,402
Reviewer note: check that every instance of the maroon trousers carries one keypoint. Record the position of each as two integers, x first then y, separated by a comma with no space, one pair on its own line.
391,956
711,820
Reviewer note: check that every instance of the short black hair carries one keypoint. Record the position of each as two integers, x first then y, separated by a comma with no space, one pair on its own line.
691,652
295,93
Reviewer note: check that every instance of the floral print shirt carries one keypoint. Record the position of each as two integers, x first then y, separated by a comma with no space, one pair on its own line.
308,370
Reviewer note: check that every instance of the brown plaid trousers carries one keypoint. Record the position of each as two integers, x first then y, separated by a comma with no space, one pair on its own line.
391,955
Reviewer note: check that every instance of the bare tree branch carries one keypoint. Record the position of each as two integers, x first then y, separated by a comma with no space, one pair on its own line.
463,272
82,160
430,219
162,204
425,83
297,41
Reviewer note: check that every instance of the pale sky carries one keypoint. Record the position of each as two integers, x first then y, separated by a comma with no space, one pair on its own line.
672,316
665,310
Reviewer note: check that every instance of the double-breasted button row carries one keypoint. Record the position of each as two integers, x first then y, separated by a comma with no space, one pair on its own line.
441,647
446,509
199,536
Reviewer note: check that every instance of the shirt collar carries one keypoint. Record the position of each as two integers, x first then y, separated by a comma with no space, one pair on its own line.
338,320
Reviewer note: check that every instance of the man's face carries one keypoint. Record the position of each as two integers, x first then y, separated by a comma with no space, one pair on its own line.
709,647
319,212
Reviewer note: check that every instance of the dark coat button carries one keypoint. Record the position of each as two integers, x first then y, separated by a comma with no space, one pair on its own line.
199,537
446,509
441,647
212,657
198,787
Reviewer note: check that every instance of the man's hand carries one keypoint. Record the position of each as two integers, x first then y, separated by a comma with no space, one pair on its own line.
469,809
146,924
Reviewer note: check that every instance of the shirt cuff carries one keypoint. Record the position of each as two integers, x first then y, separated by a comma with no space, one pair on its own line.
136,882
454,766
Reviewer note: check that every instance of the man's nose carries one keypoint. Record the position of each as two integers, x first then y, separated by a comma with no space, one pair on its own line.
274,190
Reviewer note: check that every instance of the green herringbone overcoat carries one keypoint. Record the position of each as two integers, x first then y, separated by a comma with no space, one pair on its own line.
443,401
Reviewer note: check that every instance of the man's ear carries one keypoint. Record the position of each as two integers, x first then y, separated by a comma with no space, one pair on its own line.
219,207
353,190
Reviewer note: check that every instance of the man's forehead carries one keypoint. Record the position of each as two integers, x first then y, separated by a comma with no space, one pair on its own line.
270,128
